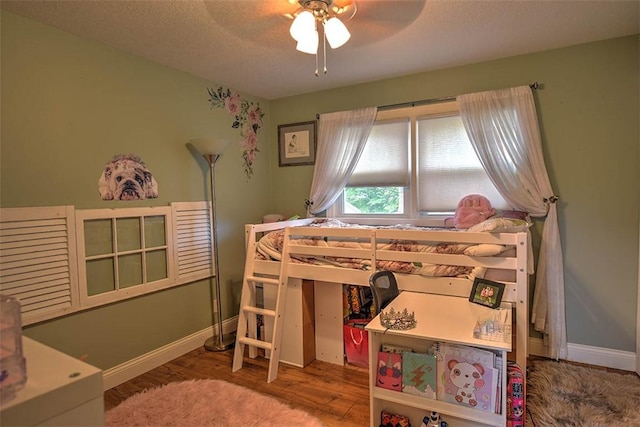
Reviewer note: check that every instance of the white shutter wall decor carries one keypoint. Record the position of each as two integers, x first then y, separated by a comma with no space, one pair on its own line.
38,260
193,239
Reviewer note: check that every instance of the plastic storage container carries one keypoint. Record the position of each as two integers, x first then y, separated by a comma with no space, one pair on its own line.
13,373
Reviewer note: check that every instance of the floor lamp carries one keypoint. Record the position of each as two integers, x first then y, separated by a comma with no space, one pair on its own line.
211,149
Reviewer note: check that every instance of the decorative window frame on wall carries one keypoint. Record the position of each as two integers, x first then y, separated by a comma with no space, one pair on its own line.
43,254
114,252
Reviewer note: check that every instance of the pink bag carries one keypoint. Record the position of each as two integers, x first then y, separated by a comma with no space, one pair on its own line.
356,343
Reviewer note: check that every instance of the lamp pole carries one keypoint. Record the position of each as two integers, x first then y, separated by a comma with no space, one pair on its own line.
217,342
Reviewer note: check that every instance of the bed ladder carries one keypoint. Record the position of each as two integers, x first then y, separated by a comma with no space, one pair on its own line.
247,316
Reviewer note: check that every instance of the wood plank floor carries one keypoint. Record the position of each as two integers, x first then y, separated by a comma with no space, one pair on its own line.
338,396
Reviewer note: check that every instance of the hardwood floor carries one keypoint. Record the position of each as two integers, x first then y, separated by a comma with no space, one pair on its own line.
338,396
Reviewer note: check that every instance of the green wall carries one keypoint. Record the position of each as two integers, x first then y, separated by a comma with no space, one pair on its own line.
70,104
588,108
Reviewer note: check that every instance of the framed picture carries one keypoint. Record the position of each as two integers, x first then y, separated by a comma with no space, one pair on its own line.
486,292
297,144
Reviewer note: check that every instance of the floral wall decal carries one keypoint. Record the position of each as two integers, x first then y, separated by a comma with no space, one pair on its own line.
247,117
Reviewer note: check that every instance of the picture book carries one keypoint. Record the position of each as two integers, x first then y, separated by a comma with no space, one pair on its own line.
392,348
485,357
461,352
469,381
419,374
389,371
498,366
437,349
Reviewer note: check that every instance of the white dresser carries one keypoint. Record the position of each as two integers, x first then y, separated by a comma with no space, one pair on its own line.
60,391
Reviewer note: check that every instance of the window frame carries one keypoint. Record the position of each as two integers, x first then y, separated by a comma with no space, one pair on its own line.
119,294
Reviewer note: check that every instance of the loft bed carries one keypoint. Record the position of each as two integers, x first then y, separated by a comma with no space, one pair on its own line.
432,260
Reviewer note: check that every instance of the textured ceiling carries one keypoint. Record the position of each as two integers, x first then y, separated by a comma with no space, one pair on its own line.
245,44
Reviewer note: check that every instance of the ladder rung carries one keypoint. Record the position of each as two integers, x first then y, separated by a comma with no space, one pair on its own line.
256,343
258,310
263,280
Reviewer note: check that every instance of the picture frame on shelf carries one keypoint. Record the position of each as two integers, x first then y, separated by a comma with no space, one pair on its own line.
297,144
486,292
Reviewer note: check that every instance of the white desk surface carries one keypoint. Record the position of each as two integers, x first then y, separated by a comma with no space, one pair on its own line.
440,318
55,383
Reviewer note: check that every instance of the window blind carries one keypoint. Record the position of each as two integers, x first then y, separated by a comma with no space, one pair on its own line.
385,159
448,167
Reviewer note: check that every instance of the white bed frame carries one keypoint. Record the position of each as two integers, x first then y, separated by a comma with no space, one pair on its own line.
329,280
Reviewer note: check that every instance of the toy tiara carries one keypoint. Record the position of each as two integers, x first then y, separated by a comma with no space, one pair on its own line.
400,320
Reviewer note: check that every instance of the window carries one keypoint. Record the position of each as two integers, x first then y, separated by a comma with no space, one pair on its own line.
417,164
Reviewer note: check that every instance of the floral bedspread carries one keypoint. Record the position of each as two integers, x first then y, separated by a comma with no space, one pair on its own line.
270,248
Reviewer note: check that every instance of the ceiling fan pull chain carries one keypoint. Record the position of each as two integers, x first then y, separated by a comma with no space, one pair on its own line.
324,49
315,24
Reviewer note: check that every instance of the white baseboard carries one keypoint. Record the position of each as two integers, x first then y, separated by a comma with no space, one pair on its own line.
146,362
597,356
611,358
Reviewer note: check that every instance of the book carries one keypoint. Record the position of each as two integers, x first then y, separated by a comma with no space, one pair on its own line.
462,352
437,349
470,377
389,371
419,374
392,348
498,366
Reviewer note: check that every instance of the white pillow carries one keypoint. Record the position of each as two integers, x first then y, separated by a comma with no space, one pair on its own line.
501,225
484,249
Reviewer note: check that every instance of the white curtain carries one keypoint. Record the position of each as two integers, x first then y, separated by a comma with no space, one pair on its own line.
341,139
503,128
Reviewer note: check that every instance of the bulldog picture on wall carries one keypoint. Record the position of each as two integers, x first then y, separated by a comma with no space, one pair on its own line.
126,177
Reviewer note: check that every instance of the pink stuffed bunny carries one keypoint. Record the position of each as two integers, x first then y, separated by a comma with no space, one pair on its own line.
472,210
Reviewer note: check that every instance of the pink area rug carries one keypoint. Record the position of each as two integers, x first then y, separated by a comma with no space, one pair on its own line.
205,403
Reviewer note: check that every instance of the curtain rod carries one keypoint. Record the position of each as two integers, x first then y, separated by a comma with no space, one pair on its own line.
534,85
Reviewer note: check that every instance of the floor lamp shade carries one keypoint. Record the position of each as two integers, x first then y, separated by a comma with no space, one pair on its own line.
209,146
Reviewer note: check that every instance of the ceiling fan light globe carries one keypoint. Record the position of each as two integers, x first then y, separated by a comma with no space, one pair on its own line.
304,23
308,43
336,32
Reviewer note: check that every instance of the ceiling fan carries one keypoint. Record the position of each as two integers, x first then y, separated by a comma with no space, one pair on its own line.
269,22
324,17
